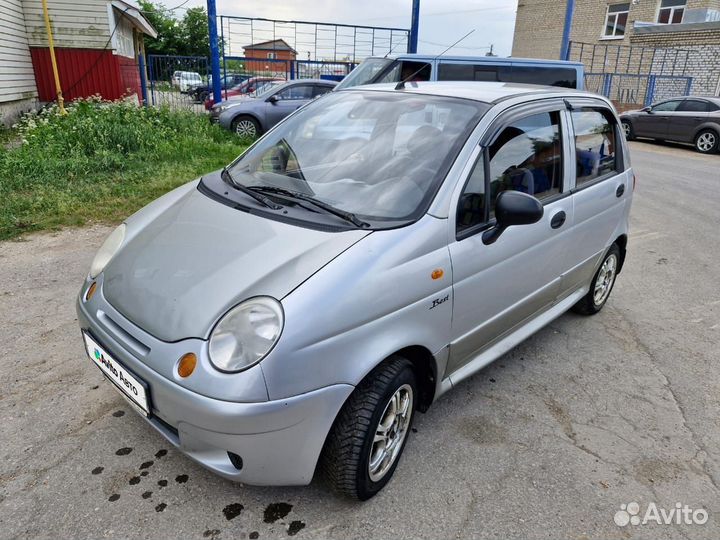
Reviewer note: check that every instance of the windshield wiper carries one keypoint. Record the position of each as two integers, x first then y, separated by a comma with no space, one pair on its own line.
249,192
347,216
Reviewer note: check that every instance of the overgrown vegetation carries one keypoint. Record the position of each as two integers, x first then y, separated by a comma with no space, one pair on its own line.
101,162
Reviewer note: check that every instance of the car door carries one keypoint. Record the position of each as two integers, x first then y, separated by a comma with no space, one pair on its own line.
602,188
288,100
497,287
690,115
654,122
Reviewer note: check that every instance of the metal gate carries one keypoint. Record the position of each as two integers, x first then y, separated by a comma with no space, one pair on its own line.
631,75
633,89
171,78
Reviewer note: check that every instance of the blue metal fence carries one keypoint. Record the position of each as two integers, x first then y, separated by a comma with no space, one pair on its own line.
628,88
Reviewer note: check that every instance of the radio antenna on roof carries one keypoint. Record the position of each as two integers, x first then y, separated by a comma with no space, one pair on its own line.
401,84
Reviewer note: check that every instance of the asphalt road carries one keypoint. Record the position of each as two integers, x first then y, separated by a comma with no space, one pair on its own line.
548,442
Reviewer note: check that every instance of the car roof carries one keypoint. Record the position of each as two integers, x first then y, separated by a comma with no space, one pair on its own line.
486,92
711,99
482,59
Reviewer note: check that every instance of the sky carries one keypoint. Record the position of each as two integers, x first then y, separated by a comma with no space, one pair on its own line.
442,22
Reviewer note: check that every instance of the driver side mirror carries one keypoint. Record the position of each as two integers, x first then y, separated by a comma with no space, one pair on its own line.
272,99
646,109
513,208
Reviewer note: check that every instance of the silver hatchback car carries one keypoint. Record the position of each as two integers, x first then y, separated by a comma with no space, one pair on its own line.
291,312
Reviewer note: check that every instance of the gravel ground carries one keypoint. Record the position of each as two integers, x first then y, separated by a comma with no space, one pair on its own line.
548,442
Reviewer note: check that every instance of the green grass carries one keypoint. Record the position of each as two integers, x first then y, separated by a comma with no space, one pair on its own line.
101,162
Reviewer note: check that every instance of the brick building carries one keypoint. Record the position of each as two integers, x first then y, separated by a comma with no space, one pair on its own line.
681,37
273,57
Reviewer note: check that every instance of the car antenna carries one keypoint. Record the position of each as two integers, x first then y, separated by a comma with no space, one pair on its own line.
401,84
395,47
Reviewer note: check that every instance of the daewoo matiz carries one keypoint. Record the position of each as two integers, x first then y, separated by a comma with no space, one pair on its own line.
292,311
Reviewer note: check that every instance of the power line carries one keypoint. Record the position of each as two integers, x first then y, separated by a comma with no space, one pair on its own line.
444,13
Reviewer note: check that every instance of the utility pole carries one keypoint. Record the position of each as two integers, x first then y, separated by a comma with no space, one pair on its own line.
214,51
414,27
53,61
565,45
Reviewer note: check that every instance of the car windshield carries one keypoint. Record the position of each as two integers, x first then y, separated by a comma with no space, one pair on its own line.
380,155
365,72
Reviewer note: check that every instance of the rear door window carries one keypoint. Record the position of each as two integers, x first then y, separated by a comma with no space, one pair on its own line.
595,145
694,105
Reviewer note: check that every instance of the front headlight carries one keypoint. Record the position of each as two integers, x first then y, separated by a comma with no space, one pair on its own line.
246,334
107,251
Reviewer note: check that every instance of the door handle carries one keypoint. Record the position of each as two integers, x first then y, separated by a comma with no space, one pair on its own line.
557,220
620,190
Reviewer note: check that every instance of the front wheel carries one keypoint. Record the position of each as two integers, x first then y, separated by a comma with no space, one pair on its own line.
246,127
706,142
369,435
601,285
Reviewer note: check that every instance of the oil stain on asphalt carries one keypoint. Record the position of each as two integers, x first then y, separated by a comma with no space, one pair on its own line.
233,510
123,451
181,478
295,527
276,511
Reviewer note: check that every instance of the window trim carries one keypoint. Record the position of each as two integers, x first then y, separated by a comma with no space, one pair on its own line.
614,35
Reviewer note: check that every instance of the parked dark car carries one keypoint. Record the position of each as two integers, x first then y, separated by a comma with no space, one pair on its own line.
688,119
200,93
254,116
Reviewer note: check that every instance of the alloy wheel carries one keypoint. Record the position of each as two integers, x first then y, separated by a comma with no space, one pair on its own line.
390,432
605,279
706,141
246,128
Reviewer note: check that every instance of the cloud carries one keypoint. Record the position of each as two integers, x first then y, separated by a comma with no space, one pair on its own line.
442,22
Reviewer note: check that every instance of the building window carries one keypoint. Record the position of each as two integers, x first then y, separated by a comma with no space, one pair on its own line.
271,56
671,11
616,19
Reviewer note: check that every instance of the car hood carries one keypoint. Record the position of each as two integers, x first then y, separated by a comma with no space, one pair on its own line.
177,274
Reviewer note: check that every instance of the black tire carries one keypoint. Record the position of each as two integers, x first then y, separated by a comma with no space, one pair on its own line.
628,130
345,460
242,126
707,141
589,304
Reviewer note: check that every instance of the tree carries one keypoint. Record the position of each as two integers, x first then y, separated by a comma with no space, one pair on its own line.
194,30
186,37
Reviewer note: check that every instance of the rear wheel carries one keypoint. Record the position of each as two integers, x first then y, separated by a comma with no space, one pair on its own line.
369,435
601,285
706,142
628,130
246,127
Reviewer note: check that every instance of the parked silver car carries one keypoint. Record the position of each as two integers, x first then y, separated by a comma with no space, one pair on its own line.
689,119
358,261
251,117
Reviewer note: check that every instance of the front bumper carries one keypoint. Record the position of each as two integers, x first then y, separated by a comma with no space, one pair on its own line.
279,441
